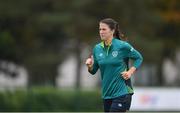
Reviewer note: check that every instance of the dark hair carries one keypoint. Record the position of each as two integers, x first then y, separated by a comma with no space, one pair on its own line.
113,25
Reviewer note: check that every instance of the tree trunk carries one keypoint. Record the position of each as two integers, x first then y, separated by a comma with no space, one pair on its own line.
78,66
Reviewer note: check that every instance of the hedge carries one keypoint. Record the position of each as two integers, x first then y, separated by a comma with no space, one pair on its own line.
50,100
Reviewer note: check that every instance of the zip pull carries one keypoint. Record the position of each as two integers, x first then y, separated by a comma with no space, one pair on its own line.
108,50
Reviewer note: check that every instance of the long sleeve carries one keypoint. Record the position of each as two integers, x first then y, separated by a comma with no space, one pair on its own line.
134,55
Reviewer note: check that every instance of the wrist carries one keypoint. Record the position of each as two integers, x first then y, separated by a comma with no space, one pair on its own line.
132,70
90,67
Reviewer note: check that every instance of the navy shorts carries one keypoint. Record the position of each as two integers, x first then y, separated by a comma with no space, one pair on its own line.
118,104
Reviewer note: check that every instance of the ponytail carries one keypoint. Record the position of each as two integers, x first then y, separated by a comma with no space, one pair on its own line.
118,34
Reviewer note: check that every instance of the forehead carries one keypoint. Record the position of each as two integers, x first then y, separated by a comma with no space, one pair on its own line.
103,25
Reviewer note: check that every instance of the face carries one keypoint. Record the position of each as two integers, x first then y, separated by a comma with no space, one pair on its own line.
105,32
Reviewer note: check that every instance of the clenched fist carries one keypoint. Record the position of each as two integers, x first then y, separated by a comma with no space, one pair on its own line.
89,62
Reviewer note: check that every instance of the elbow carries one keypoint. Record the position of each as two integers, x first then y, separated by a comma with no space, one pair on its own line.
138,62
141,59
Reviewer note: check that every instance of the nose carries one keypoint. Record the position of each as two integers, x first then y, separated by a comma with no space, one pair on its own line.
101,31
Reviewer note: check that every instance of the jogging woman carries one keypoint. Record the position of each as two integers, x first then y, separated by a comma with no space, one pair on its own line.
111,56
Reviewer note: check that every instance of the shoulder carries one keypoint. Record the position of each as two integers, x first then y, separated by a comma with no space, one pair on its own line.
120,43
97,46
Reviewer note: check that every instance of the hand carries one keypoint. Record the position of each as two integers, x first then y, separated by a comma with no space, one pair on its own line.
127,74
89,62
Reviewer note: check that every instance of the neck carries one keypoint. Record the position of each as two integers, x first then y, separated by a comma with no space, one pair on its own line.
108,41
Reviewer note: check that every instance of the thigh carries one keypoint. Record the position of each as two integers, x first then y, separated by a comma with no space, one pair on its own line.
107,104
121,104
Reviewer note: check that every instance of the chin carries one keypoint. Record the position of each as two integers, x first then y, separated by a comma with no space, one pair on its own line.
103,38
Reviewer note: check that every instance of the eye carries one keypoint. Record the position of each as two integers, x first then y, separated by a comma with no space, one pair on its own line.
102,29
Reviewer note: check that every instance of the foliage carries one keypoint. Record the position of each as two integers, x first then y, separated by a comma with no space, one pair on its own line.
50,100
40,34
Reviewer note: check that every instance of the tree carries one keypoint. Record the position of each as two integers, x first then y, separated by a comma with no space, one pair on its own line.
30,40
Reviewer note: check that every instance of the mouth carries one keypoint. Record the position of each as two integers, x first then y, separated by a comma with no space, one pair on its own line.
102,35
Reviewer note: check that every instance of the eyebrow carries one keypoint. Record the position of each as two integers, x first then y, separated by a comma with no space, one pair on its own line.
102,28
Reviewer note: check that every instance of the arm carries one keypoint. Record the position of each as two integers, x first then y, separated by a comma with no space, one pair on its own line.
136,57
92,64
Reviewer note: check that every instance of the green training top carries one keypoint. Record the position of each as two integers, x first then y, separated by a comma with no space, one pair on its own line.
112,60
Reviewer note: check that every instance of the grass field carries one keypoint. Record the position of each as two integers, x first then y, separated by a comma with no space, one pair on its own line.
103,112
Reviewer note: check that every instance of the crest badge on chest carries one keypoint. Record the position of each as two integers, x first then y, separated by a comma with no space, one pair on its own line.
115,53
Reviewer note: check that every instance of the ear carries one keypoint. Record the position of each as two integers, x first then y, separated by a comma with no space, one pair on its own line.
113,31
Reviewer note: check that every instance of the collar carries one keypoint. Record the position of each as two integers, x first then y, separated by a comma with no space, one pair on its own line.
103,43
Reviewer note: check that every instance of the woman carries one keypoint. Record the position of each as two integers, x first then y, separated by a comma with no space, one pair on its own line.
111,57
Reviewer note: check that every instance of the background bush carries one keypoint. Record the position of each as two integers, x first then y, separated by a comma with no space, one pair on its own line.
50,99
